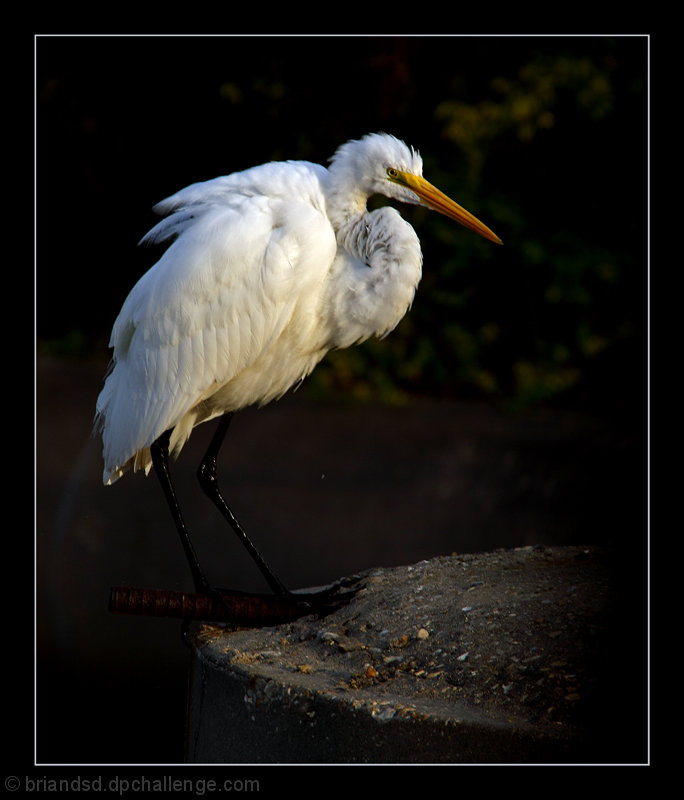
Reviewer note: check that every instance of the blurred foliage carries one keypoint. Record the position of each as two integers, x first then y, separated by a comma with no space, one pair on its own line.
544,139
567,298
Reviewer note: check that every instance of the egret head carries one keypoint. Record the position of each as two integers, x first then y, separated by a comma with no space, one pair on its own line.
366,162
381,164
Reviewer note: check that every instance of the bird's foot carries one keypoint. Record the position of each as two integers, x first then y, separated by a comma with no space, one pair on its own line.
328,600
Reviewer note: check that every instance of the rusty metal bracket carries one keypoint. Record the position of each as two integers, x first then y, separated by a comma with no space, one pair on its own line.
221,606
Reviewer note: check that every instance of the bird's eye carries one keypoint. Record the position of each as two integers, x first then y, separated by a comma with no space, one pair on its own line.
392,173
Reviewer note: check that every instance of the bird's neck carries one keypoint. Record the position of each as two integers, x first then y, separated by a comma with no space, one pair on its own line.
373,278
344,201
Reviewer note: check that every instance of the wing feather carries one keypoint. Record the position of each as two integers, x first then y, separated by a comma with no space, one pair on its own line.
219,296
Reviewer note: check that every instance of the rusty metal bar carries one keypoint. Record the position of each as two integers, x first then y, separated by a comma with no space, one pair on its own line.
235,607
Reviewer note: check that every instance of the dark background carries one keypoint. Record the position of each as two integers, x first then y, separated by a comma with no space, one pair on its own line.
508,408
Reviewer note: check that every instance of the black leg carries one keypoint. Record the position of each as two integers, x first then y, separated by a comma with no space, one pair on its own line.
206,475
160,458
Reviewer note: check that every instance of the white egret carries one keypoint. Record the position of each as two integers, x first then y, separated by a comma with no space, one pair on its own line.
266,270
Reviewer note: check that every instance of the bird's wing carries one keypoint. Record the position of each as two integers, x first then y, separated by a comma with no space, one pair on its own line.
219,296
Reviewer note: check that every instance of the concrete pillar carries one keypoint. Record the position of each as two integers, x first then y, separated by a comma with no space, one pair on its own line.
502,657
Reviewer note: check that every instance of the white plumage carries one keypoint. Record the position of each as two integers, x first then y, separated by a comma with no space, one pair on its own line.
266,271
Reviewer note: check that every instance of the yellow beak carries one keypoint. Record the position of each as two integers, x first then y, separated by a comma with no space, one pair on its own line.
438,201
